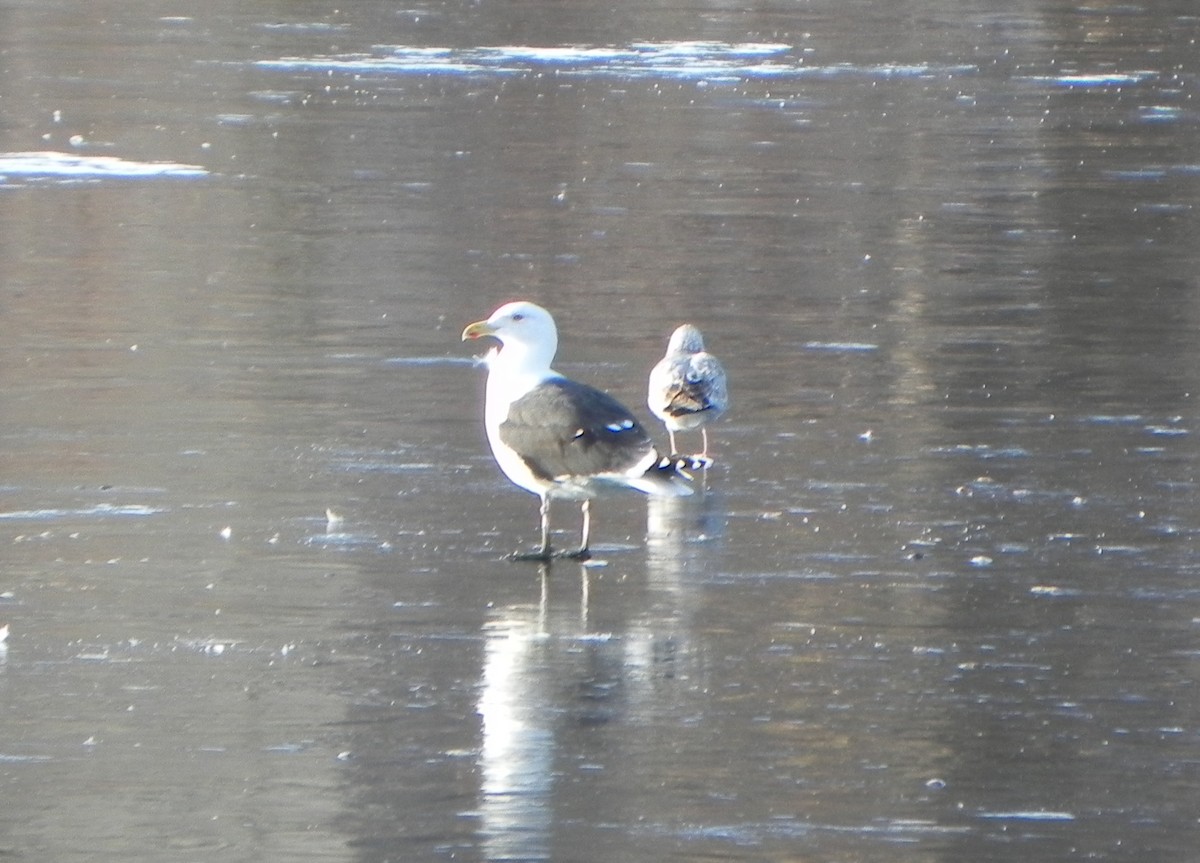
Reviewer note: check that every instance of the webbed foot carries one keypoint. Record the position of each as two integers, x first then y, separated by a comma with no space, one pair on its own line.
538,555
577,554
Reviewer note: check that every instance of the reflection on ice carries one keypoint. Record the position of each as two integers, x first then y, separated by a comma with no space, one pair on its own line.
517,754
680,529
547,678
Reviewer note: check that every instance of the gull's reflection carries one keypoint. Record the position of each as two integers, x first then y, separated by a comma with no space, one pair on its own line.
516,704
679,532
682,537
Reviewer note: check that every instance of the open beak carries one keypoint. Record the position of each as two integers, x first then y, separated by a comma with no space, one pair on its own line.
478,330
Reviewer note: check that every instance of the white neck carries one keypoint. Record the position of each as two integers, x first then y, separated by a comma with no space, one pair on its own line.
512,372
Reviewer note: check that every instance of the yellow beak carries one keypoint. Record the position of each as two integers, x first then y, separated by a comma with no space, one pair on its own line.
478,330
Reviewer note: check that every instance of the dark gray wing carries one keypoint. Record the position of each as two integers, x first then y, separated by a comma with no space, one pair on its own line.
562,428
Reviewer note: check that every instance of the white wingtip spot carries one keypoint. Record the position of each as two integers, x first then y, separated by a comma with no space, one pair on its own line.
623,425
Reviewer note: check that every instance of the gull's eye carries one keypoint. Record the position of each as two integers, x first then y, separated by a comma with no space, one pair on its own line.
518,317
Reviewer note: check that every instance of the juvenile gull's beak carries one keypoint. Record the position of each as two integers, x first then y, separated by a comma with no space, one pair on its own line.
478,330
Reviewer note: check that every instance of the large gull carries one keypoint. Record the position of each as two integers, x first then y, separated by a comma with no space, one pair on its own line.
554,436
687,387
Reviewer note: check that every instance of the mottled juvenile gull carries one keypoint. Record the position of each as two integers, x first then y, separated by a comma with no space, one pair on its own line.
554,436
687,387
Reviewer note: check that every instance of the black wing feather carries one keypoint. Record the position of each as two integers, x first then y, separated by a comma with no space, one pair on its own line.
563,428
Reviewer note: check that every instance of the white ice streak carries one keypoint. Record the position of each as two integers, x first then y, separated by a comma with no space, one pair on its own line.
49,164
841,347
692,61
102,509
1029,815
1091,79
